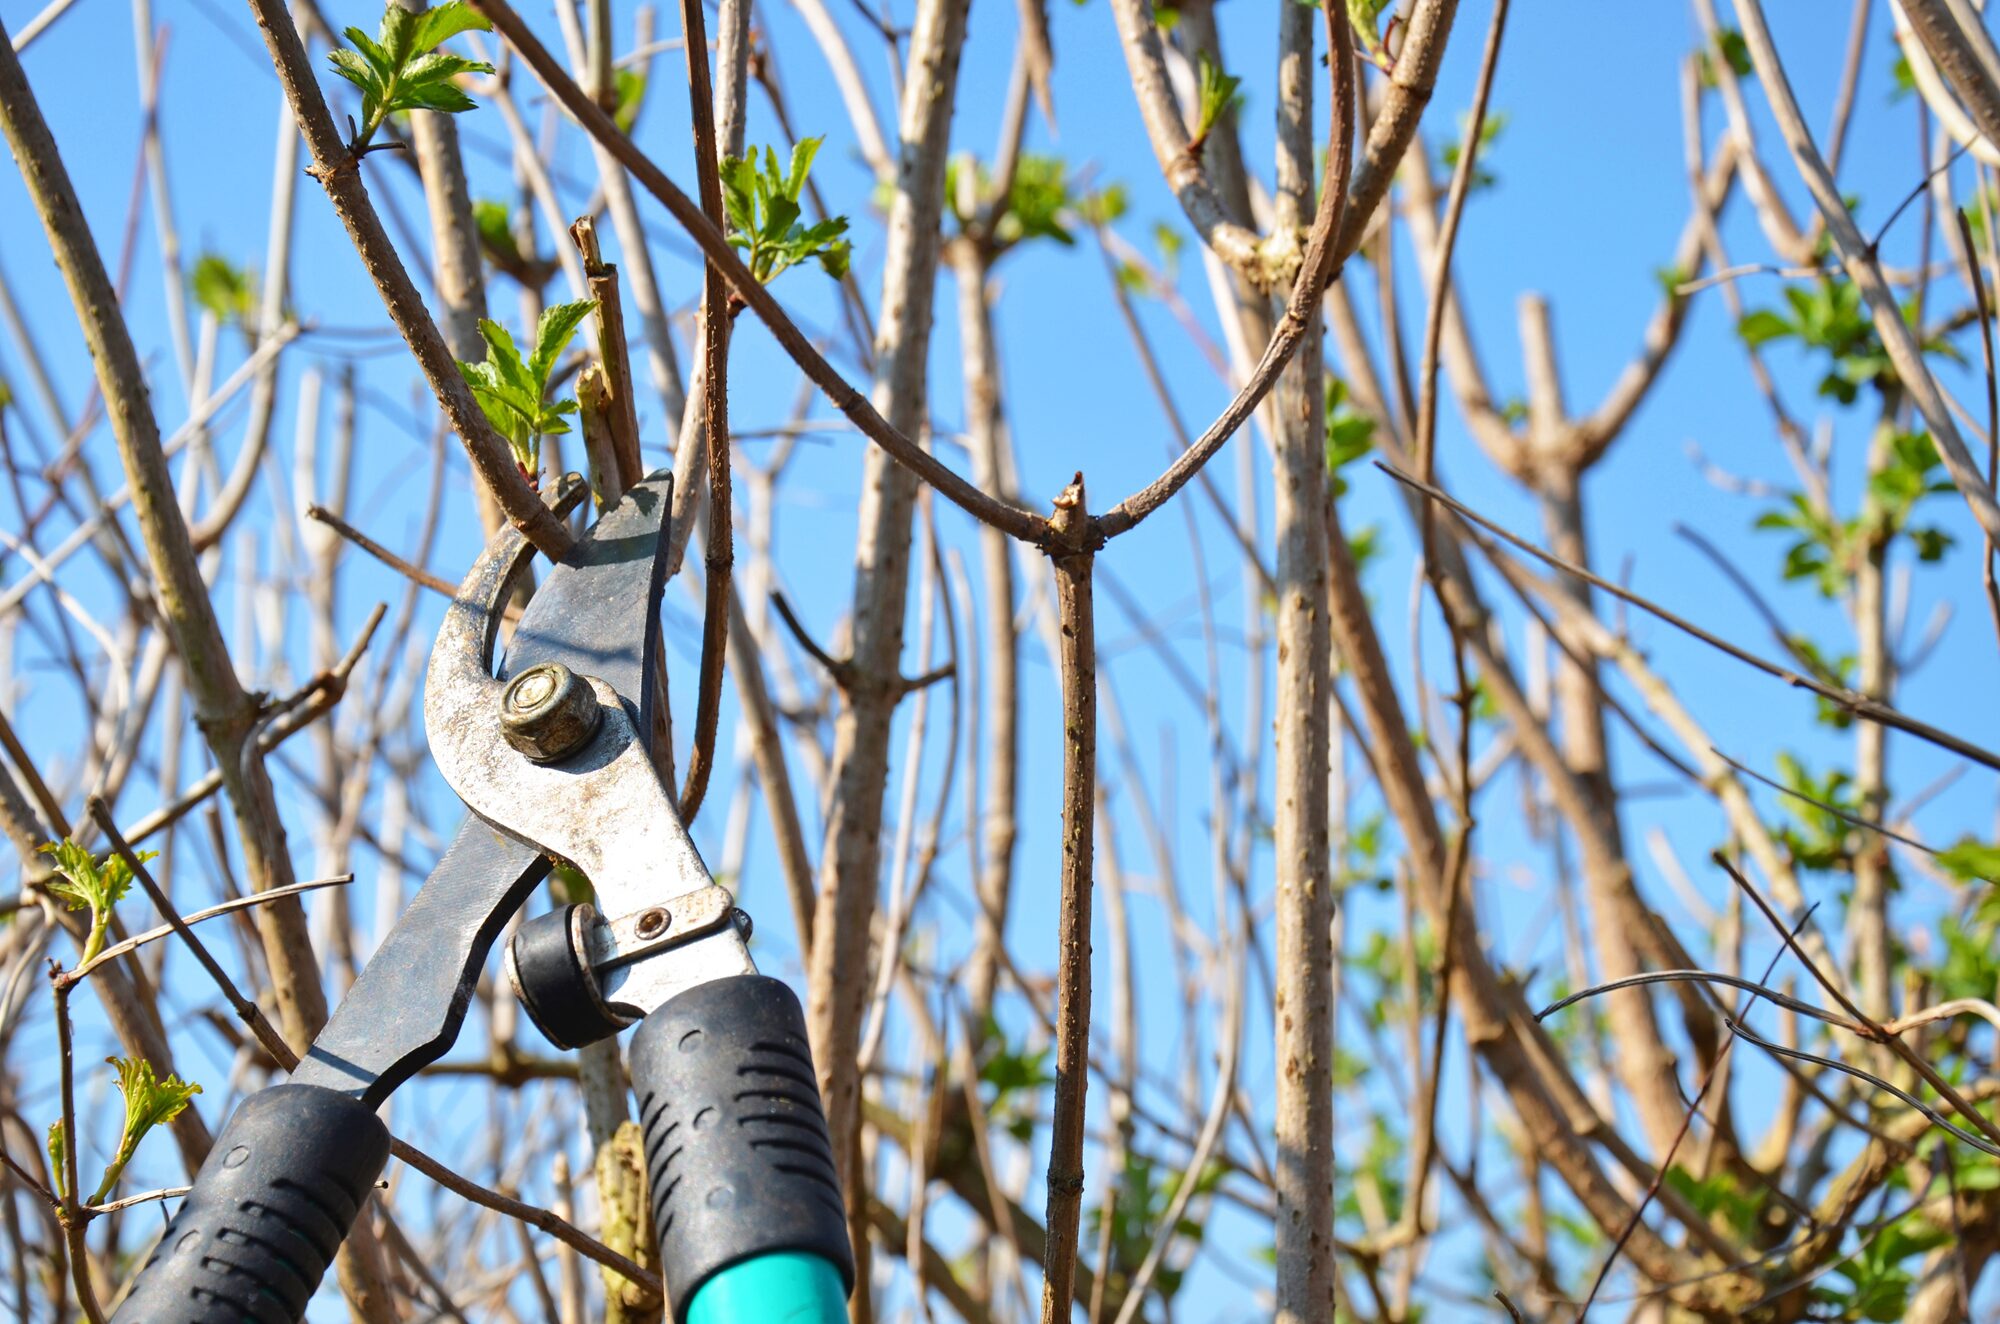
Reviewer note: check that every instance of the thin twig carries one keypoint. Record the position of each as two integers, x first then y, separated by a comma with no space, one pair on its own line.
1858,704
1078,665
132,944
1665,1162
414,573
719,553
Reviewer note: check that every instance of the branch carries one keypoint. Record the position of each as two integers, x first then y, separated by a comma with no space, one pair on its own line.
1863,269
714,387
715,248
1079,798
1858,704
339,172
1323,257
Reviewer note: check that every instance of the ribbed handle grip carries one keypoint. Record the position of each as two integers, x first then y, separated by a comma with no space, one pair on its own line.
270,1207
736,1143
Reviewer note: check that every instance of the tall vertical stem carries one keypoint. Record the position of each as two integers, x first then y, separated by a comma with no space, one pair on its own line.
1078,663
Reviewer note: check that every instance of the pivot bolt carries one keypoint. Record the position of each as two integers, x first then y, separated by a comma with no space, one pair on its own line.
549,712
652,923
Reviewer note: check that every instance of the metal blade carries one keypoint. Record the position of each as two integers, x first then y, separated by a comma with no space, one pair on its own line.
409,1003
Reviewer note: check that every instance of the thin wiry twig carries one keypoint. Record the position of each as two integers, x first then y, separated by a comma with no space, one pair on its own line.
1859,704
132,944
1834,1064
1665,1163
414,573
1979,300
1870,1028
1843,815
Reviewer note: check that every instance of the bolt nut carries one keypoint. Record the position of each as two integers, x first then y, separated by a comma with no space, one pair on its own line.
652,923
549,712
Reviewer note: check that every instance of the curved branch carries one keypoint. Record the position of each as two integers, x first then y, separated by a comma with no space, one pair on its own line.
339,173
857,408
1970,65
1322,259
1180,162
1858,256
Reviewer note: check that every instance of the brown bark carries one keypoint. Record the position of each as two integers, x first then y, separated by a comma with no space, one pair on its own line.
1078,667
850,863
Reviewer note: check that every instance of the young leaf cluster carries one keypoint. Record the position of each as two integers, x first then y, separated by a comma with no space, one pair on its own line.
1826,550
91,884
629,85
1490,130
1879,1279
1216,94
762,202
224,289
401,69
1016,1076
1039,205
1829,317
1145,1191
149,1102
1817,838
513,392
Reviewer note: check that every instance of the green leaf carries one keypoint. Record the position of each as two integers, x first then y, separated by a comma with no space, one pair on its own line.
803,153
1931,543
1038,202
79,880
1350,434
1761,326
629,85
553,334
1490,129
378,59
510,373
1735,52
224,289
1903,78
1216,96
358,71
496,231
441,23
398,34
149,1102
59,1158
1104,206
1971,860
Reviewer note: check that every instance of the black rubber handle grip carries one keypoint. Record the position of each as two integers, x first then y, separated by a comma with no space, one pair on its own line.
269,1208
736,1144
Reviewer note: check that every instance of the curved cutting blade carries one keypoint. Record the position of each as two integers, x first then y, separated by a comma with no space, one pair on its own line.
603,808
409,1003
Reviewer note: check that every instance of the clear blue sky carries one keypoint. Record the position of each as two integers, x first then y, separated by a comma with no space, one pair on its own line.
1589,201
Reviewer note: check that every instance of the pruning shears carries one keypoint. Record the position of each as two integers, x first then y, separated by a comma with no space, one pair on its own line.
551,756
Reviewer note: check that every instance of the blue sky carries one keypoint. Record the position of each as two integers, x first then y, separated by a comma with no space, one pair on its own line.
1589,201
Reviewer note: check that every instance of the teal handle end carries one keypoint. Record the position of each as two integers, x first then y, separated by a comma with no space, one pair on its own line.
790,1287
